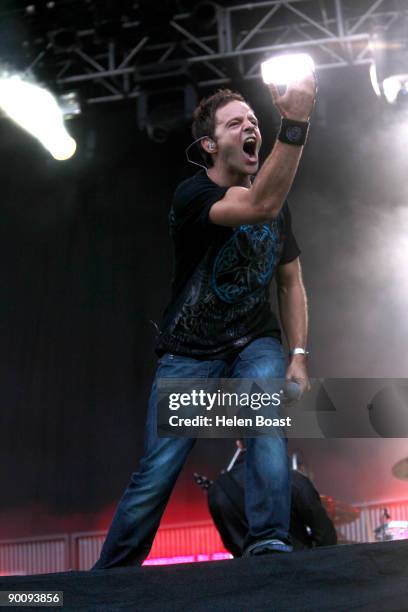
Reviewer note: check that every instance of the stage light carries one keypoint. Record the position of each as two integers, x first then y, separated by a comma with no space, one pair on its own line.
395,88
165,104
374,80
61,148
69,104
389,70
284,69
36,110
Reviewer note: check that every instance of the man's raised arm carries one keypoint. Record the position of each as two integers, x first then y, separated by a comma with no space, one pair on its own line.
264,199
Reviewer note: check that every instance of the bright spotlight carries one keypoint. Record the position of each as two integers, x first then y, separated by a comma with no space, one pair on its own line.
36,110
374,80
284,69
388,71
395,87
61,148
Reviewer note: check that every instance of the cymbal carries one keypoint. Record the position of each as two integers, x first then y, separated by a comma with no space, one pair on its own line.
340,512
400,469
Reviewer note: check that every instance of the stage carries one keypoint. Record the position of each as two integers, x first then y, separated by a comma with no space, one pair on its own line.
343,578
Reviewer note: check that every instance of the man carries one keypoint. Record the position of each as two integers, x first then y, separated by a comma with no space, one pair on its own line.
230,238
310,524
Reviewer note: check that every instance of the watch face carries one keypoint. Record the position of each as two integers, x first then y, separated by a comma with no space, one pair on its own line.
294,133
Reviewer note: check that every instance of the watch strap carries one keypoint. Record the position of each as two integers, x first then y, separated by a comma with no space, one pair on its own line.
298,351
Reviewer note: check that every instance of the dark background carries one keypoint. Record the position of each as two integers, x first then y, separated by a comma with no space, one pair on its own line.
86,268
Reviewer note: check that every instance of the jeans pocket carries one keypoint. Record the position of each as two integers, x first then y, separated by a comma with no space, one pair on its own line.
267,347
180,366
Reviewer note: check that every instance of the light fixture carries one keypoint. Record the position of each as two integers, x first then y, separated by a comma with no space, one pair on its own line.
395,88
284,69
166,101
389,68
69,104
36,110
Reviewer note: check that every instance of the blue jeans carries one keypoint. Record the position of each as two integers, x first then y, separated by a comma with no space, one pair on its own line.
267,491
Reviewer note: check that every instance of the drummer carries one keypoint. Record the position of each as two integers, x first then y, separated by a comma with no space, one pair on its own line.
310,524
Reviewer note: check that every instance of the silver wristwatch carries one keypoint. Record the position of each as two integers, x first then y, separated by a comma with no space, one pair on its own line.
298,351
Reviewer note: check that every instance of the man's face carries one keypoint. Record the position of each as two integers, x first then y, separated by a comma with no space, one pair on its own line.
237,137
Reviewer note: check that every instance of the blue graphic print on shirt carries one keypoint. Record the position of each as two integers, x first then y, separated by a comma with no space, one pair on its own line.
246,262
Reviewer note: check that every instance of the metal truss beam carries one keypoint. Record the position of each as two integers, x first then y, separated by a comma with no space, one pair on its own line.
335,32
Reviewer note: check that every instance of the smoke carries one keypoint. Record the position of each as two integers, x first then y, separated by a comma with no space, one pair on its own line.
350,209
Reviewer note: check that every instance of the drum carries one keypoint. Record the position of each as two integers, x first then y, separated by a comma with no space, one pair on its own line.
393,530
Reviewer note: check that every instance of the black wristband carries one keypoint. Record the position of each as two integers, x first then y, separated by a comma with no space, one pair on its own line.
293,132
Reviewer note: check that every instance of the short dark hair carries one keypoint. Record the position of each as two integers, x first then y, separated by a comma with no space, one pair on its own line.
204,116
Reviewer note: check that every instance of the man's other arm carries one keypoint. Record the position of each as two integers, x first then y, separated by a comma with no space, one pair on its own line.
293,315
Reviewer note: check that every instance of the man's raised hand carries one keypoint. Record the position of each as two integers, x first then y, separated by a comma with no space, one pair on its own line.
298,100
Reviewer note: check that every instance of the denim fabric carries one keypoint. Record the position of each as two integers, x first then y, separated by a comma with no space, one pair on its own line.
267,501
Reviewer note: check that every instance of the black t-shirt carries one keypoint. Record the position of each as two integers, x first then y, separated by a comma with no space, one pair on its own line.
220,290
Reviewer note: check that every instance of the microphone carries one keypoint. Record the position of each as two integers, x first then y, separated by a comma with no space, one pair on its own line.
291,392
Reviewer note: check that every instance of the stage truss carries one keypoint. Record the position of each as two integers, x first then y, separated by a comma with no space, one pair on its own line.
231,46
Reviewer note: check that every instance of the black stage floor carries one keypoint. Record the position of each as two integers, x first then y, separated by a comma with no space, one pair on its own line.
342,578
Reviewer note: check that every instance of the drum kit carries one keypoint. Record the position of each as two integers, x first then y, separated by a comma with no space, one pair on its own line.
342,514
339,512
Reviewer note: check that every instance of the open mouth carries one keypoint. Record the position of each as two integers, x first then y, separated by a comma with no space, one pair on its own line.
249,149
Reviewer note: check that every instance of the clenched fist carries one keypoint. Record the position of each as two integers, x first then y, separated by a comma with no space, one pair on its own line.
298,100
